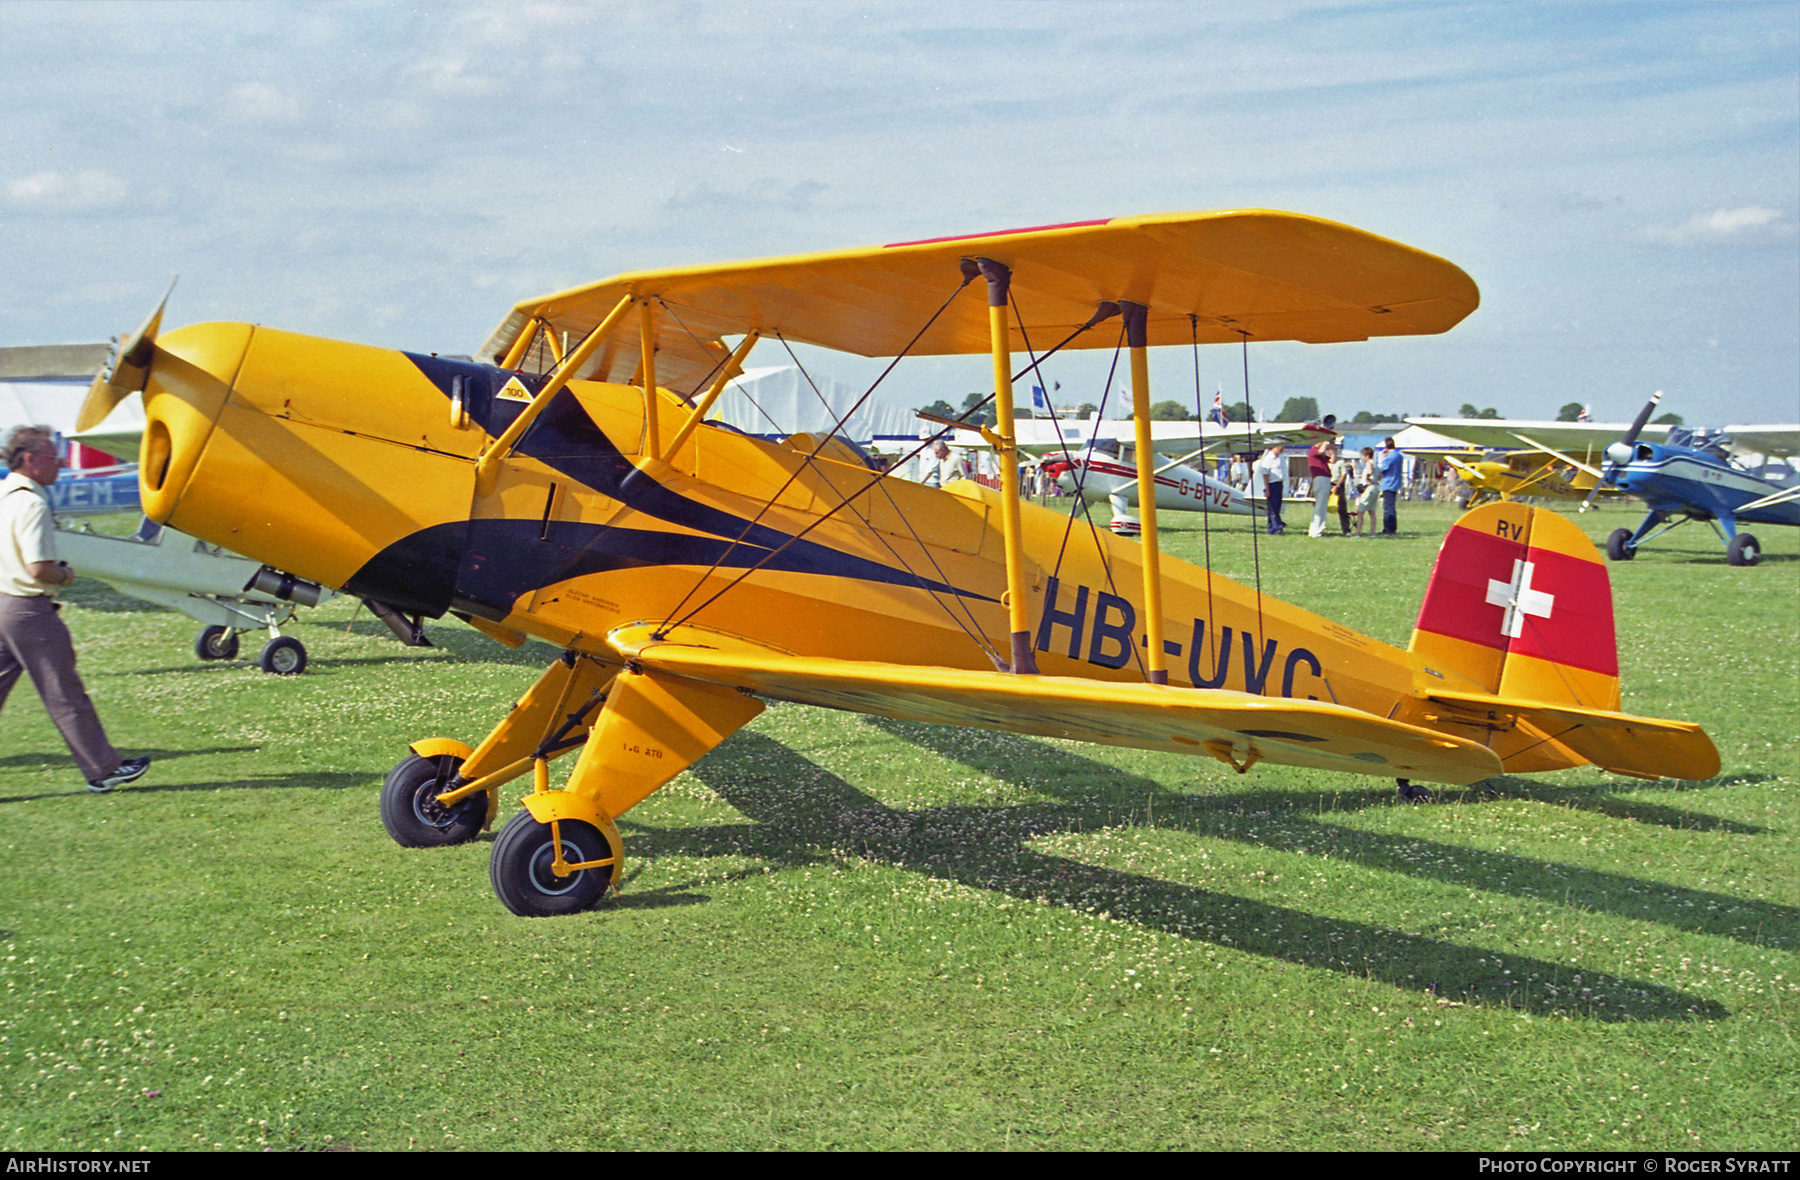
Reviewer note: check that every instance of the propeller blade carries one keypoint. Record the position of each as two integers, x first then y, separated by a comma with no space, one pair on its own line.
1626,443
1637,424
129,370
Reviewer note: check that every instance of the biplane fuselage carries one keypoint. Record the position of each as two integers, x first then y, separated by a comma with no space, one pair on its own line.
340,463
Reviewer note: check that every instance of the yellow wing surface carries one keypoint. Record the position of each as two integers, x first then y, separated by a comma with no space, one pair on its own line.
1255,273
1232,726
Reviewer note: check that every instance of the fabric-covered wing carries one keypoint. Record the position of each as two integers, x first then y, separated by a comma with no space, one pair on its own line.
1231,726
1267,275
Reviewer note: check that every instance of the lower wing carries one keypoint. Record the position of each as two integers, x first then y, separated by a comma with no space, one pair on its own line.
1234,727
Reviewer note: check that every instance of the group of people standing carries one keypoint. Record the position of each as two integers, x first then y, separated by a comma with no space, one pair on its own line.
1358,479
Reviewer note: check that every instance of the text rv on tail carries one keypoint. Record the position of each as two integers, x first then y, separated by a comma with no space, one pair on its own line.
572,490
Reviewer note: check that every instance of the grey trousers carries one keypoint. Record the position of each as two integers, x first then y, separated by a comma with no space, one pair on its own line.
33,639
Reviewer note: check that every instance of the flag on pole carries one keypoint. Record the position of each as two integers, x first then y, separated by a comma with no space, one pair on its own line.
1218,410
1587,413
1039,403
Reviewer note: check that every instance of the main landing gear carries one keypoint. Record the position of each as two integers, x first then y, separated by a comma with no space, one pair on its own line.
635,730
283,655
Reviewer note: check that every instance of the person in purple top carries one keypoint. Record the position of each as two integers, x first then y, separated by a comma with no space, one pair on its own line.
1392,466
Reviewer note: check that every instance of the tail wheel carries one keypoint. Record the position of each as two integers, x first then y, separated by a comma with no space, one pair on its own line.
411,813
1743,550
216,643
522,867
1412,793
285,656
1618,545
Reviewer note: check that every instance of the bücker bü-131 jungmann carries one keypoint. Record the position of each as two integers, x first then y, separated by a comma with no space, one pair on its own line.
570,488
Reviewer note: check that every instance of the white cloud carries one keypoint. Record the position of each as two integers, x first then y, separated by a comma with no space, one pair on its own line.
258,102
90,189
1720,225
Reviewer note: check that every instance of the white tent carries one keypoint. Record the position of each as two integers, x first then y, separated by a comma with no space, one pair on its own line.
777,400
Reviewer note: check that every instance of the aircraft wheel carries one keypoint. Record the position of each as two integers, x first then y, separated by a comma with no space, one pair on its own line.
1618,546
1743,550
411,813
285,656
522,873
217,643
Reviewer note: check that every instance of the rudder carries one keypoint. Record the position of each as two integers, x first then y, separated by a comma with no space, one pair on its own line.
1520,606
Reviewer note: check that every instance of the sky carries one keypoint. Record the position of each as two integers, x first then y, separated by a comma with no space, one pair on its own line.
1621,180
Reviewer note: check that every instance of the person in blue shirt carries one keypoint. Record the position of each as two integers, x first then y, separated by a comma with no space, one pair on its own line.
1392,466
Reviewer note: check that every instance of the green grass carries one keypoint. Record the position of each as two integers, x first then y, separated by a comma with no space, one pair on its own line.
844,932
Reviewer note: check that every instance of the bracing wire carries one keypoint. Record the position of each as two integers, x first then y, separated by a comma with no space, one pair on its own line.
770,555
1255,550
818,446
1212,614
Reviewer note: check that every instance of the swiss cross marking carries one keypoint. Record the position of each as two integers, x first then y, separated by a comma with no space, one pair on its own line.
1519,598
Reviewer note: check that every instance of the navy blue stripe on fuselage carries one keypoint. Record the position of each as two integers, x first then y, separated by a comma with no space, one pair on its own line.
565,439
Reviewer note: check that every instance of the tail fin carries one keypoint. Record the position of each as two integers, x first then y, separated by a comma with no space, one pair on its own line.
1520,605
1516,636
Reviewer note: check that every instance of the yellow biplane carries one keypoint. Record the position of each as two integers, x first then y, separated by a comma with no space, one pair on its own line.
568,486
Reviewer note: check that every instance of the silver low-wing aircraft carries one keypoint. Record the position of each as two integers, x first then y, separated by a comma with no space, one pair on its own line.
567,486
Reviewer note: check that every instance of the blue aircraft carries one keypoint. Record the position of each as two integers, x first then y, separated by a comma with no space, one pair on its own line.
1694,475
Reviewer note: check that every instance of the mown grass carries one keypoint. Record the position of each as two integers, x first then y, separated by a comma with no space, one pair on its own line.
844,932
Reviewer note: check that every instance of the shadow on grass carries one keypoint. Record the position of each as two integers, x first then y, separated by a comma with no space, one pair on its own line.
1603,799
1278,825
801,814
317,780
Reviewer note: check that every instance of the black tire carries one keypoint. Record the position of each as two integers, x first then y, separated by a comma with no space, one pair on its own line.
1618,545
411,813
1743,550
285,656
521,872
216,643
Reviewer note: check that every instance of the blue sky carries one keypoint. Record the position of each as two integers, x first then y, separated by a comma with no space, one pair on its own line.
1622,180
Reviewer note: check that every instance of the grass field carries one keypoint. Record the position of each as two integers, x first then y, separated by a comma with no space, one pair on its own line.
845,932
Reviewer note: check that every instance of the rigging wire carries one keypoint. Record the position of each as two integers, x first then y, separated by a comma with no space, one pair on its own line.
1255,551
1081,502
807,462
1212,614
961,420
973,628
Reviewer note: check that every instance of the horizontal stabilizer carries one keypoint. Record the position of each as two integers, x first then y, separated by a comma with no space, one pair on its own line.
1231,726
1647,747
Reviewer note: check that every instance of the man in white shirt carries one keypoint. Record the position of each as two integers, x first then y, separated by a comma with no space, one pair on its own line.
1271,472
32,638
943,466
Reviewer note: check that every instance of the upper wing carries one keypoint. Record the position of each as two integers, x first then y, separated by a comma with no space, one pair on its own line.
1232,726
1266,275
1583,440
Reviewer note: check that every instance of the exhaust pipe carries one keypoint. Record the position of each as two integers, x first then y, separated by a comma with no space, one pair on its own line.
286,587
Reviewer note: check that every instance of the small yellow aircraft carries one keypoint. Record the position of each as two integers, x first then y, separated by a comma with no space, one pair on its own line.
569,487
1505,475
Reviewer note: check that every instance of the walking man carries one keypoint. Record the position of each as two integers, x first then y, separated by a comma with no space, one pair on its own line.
32,638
